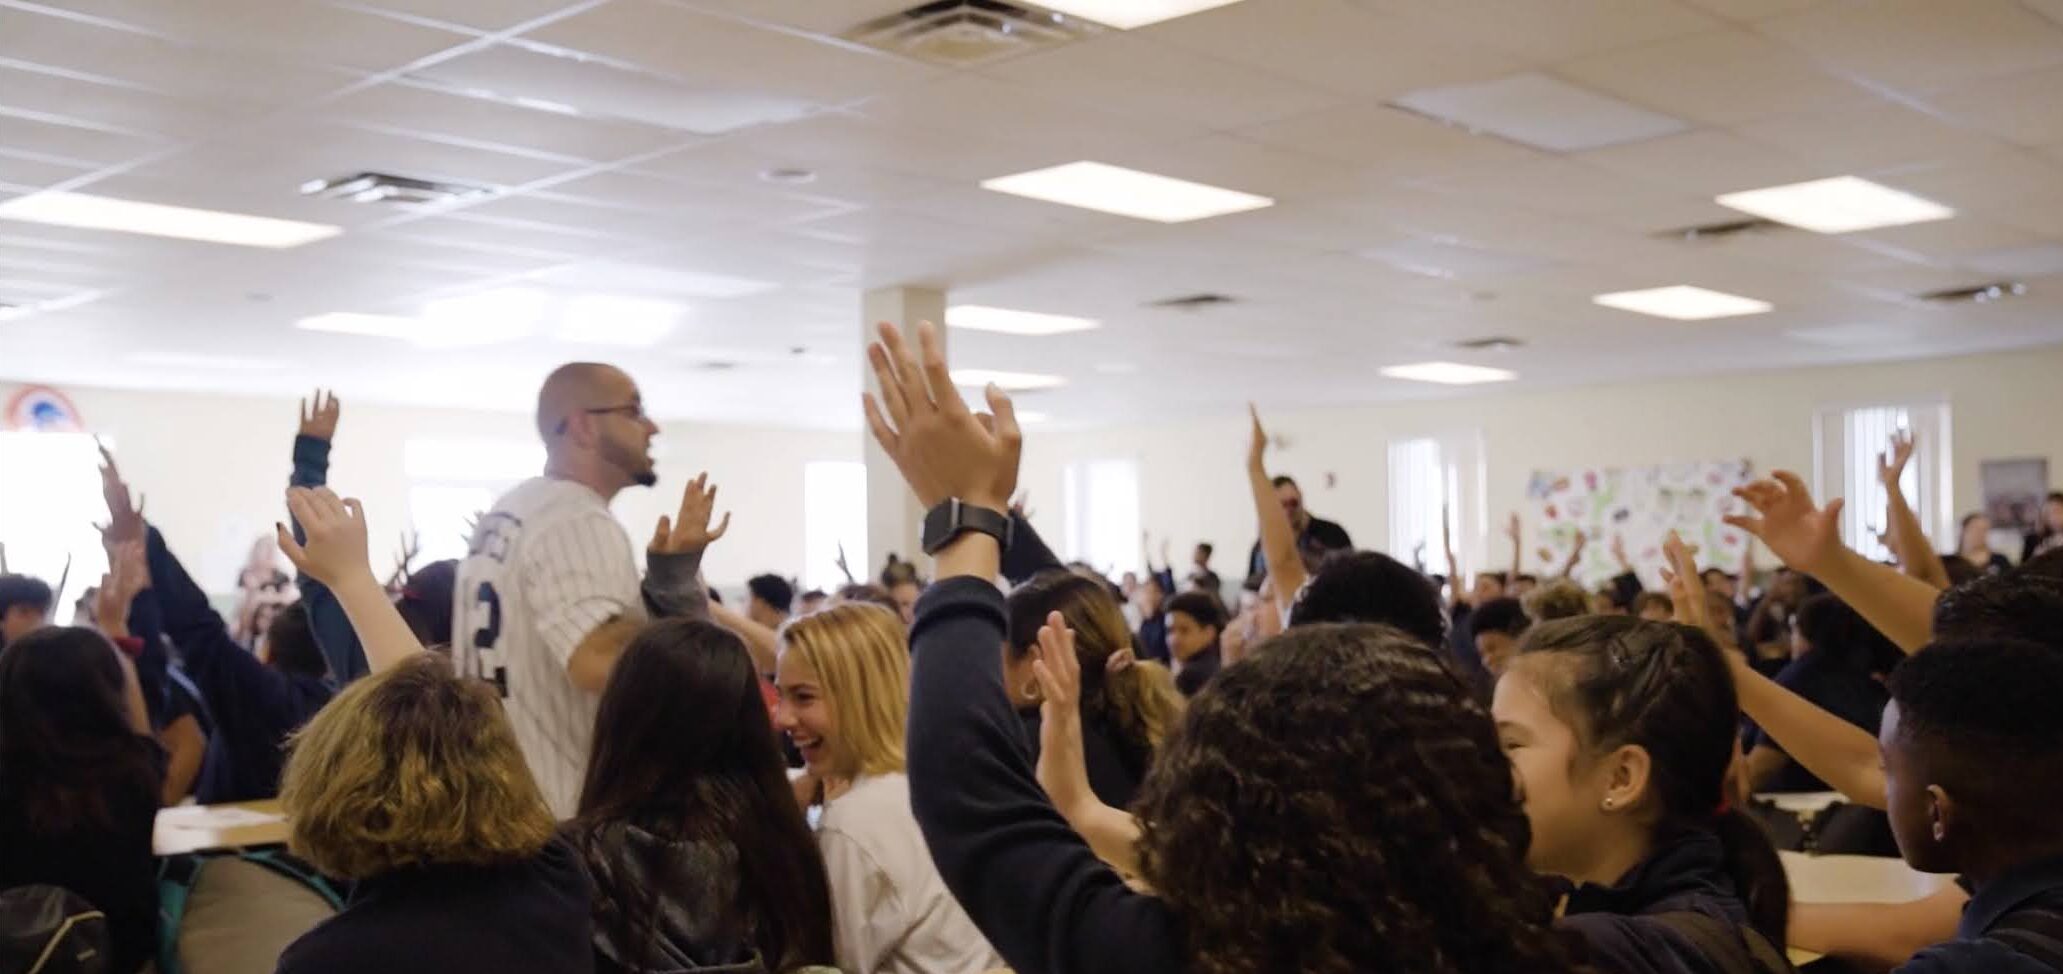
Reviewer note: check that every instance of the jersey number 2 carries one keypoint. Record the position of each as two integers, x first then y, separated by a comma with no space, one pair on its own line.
483,640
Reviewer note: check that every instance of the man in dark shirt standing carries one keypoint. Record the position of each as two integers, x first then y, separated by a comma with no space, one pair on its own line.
1316,536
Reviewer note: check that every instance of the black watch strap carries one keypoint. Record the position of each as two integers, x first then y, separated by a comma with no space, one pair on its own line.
954,517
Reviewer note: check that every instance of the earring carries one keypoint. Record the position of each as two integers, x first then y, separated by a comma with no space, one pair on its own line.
1031,693
1608,804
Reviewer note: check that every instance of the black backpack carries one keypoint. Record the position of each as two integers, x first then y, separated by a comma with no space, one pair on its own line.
51,930
1731,948
2034,930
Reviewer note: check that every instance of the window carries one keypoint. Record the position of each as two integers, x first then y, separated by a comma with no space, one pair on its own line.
1849,443
834,516
1431,478
1102,514
46,520
453,481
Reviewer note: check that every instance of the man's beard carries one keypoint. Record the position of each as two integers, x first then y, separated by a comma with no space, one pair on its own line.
624,460
645,478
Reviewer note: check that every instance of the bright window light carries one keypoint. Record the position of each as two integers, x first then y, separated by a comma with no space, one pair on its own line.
834,519
1683,303
975,317
483,461
46,521
1127,14
1126,192
1102,513
1449,373
1008,381
1027,417
158,220
1843,204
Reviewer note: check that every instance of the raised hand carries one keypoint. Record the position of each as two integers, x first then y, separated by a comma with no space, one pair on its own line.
941,448
128,574
125,519
1511,529
1062,769
1805,536
1891,463
335,552
1257,447
1619,552
1686,586
843,568
689,531
319,416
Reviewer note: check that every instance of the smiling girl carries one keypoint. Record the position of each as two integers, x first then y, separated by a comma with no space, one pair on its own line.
844,680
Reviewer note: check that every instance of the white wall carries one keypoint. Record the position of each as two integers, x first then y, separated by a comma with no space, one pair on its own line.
213,467
1193,486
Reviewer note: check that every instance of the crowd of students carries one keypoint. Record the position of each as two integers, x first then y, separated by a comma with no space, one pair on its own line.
540,759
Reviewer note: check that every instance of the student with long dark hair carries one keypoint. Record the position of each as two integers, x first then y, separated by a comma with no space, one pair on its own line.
700,856
79,782
1332,804
1622,732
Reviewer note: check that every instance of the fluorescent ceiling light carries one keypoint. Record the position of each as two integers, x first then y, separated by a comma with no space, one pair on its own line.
975,317
1540,111
1126,192
1683,303
1843,204
158,220
1449,373
1127,14
1008,381
605,319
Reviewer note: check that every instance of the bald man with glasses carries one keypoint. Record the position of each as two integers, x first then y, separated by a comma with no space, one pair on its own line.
549,595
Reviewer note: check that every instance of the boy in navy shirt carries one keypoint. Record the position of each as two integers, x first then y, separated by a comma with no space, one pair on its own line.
1973,762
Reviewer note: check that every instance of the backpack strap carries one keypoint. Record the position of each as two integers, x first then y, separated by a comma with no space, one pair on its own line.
2034,930
1732,948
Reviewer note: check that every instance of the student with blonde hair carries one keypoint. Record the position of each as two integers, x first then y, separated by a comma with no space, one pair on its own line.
411,784
844,680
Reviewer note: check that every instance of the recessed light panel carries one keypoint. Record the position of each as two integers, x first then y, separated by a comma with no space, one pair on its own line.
1008,321
1008,381
1683,303
1126,192
1543,112
1843,204
1449,373
1127,14
89,212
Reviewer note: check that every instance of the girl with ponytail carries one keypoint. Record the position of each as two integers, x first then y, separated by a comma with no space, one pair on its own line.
1128,705
1622,732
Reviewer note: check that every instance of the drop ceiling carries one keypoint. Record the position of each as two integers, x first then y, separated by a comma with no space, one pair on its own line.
627,141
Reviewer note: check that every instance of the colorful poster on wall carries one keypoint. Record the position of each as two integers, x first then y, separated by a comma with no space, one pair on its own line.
1637,507
2013,492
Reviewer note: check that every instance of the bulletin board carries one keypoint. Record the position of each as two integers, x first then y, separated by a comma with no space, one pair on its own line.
1640,505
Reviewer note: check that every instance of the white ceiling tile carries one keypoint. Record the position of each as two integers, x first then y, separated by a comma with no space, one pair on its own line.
684,207
1554,185
1385,140
298,30
400,108
2004,185
1554,30
116,107
1238,163
2022,108
1870,138
695,46
289,153
2037,260
1749,10
1706,162
831,142
816,16
278,198
498,15
600,90
158,63
23,169
973,106
1921,46
1541,111
733,162
1719,78
1950,240
66,141
1131,74
1334,44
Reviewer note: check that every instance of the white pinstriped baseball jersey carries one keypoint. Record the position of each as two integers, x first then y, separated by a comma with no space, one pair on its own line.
546,566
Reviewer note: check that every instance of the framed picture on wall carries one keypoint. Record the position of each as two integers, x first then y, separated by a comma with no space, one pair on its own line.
2013,492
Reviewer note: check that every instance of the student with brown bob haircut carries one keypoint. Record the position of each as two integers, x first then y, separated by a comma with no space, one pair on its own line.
411,783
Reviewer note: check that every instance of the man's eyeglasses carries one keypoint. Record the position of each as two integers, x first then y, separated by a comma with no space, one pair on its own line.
634,410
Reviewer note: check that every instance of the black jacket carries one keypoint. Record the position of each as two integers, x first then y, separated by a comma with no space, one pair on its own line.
1318,538
693,891
1621,922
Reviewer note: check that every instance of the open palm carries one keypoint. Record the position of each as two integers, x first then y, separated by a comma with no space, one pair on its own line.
1807,537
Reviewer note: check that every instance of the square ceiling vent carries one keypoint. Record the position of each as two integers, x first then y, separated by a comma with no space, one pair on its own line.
966,33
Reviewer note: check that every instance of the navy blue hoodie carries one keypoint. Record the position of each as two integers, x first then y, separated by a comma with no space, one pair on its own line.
1684,875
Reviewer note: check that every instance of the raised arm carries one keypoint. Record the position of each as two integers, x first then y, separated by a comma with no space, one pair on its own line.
1032,885
1029,555
1834,750
1278,537
1808,539
1457,587
335,555
1916,555
673,585
326,619
1063,769
1516,532
1575,554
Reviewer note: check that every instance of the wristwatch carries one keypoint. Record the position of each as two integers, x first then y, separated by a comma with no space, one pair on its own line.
953,518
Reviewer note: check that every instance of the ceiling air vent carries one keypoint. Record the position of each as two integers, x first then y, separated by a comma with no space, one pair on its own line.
1495,343
379,187
1980,294
1194,302
1720,231
966,33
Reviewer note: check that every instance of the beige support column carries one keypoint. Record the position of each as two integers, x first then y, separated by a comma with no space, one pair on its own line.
895,522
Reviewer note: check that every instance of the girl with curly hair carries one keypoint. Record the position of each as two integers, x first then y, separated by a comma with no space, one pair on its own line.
1622,732
1333,805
